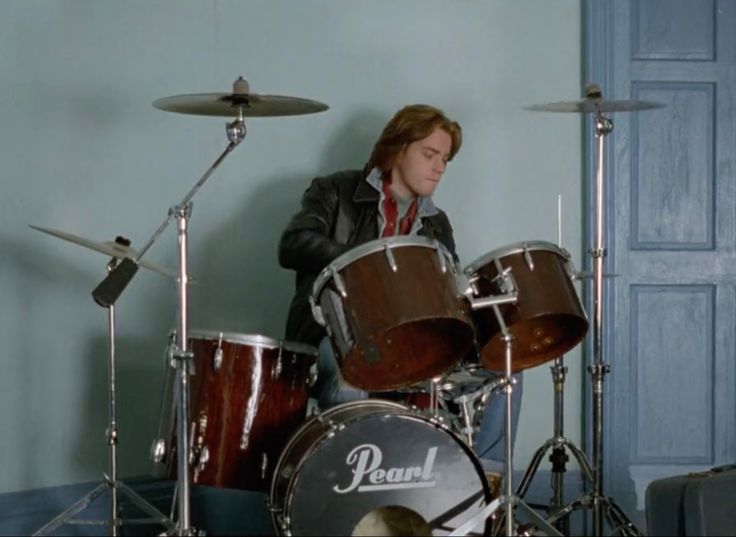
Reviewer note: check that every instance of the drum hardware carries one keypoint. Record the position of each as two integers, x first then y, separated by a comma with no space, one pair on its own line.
601,505
509,501
557,444
111,483
240,103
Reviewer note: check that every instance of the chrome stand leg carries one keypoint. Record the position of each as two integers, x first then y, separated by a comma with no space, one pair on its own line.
110,483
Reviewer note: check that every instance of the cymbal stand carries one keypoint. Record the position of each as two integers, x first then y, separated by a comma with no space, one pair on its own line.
601,505
182,358
508,501
558,444
111,482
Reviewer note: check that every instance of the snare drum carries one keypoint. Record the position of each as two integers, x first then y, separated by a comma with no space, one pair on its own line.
248,395
547,319
393,312
349,470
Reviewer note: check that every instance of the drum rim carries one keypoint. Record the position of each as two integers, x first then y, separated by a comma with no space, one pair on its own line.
372,247
254,339
515,248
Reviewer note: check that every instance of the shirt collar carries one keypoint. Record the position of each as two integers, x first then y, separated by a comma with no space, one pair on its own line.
425,205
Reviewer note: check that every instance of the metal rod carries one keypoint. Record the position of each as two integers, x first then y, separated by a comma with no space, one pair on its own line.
112,431
603,127
187,198
182,364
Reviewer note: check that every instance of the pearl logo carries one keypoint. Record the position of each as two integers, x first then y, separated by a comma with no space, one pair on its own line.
369,476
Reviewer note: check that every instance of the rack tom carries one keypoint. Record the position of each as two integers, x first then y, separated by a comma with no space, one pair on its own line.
393,312
546,321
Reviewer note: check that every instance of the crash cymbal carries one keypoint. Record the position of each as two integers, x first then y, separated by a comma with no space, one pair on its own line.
594,103
111,248
241,99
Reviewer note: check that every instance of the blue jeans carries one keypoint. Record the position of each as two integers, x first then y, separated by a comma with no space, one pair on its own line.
331,390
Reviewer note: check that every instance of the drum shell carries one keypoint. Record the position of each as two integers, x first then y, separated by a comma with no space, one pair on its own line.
463,482
395,328
242,411
547,319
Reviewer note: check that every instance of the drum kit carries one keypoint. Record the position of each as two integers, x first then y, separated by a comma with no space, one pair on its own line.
234,408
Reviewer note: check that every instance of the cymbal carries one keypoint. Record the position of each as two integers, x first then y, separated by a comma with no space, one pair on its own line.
241,100
594,103
590,106
111,248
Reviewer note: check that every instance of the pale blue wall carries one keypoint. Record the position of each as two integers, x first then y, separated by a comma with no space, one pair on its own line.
83,150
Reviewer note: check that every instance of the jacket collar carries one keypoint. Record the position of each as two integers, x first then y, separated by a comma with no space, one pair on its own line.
370,190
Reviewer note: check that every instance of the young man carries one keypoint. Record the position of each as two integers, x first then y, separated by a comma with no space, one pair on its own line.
391,195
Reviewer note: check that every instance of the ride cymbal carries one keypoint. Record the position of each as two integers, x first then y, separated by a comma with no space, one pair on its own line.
111,248
591,106
594,103
240,102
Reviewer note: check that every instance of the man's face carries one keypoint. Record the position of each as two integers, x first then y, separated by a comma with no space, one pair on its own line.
418,169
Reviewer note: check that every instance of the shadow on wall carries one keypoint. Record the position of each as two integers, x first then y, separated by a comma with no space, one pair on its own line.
35,276
140,372
243,288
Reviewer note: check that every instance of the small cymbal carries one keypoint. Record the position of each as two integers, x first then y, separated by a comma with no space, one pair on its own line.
111,248
241,100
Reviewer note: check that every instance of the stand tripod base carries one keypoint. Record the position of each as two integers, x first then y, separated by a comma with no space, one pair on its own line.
509,504
66,518
619,522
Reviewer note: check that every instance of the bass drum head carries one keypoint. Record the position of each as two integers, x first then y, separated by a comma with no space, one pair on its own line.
380,468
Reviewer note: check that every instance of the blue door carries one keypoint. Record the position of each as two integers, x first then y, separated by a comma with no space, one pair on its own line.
669,322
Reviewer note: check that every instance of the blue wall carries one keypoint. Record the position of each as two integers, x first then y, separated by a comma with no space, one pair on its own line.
83,151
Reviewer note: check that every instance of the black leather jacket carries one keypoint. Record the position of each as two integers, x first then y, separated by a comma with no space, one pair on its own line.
338,212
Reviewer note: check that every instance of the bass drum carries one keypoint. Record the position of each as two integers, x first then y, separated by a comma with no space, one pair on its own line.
375,467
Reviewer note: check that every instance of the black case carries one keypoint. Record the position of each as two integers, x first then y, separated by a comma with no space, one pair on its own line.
693,504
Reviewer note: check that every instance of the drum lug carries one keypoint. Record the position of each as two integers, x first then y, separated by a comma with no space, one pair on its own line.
217,360
264,464
312,376
528,259
465,285
158,450
317,313
441,257
199,454
390,257
278,366
339,283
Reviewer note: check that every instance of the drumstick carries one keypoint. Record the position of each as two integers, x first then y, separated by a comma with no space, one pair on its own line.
559,220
